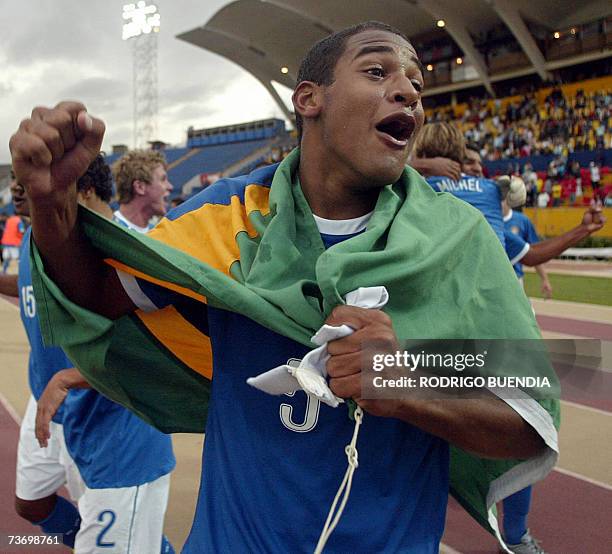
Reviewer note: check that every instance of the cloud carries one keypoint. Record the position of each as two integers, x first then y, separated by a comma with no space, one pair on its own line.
5,89
57,30
94,88
54,50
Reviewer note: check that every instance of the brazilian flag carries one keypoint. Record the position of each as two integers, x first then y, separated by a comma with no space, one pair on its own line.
250,245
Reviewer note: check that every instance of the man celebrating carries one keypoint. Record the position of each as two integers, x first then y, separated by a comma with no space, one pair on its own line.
142,187
242,275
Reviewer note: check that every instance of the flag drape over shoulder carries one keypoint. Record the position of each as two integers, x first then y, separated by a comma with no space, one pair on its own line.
251,245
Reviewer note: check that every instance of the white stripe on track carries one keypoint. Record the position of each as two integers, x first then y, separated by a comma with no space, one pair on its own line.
9,408
597,411
583,478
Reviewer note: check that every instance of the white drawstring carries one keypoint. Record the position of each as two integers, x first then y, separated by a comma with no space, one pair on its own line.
345,487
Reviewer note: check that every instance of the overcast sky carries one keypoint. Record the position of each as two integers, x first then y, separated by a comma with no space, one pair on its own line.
51,50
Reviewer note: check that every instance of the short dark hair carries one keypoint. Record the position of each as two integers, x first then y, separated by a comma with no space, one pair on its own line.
320,62
472,146
98,176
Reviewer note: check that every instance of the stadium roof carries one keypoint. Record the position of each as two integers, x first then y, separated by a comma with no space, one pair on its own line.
264,36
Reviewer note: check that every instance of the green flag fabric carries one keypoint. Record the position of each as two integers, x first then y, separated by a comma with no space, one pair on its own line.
258,252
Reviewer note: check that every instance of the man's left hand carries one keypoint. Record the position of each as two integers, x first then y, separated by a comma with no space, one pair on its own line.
49,402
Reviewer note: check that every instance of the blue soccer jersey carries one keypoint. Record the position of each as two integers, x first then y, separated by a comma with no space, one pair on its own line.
481,193
518,224
484,195
272,464
110,445
44,362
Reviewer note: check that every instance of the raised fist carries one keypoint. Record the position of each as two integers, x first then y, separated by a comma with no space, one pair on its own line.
53,148
593,219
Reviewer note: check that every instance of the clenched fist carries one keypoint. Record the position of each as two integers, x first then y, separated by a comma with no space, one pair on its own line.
593,219
52,149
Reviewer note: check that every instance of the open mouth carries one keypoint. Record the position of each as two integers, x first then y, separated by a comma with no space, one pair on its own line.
397,128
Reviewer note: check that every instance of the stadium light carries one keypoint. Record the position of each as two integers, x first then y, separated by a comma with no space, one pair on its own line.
557,34
441,23
141,19
429,67
459,61
140,27
284,70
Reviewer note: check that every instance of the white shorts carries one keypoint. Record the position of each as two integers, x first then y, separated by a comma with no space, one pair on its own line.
42,471
10,252
126,520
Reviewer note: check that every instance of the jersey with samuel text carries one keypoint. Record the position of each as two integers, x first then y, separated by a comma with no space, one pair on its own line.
520,225
272,464
44,361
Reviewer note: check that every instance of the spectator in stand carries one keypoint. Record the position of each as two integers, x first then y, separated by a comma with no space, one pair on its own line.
556,194
543,199
530,177
576,174
595,175
558,126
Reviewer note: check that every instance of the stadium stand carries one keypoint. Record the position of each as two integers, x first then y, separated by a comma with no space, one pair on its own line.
212,159
553,120
553,136
212,151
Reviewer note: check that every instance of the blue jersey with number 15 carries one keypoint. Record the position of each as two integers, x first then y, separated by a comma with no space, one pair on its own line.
44,361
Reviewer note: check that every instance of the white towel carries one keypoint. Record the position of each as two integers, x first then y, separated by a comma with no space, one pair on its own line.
310,375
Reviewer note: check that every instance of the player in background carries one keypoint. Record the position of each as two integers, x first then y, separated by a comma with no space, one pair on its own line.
539,250
519,224
443,140
115,466
142,188
516,506
124,462
14,229
41,471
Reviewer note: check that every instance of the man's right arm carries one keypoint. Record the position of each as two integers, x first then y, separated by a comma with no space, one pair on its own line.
50,151
539,253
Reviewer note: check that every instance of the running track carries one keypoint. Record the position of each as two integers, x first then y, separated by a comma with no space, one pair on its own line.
570,511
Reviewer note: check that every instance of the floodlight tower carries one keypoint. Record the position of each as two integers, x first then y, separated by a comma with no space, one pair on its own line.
141,27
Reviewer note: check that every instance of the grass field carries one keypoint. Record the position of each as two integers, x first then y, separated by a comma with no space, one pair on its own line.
591,290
